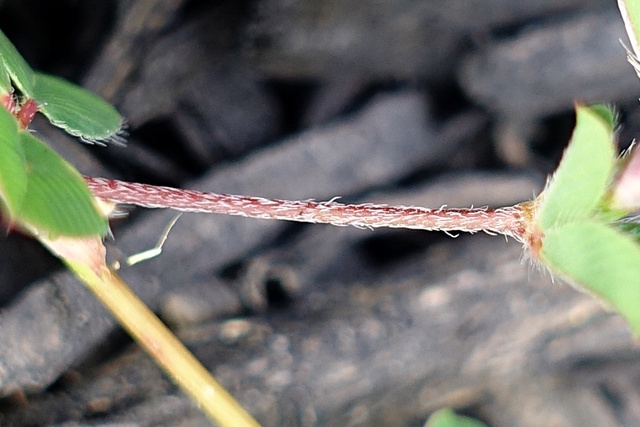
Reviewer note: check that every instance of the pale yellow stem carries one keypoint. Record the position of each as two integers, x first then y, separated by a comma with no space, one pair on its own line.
163,346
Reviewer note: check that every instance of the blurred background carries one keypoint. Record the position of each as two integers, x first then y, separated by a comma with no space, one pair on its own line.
429,103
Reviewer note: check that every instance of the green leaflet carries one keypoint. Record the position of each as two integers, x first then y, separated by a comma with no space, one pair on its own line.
76,110
38,188
581,179
583,242
14,64
447,418
57,200
13,174
602,259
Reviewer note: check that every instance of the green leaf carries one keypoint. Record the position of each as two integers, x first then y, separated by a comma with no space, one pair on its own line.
13,174
20,72
447,418
581,179
76,110
602,259
57,201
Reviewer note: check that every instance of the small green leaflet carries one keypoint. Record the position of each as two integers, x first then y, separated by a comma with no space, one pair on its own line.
583,241
76,110
580,182
15,65
601,258
57,200
447,418
38,188
13,174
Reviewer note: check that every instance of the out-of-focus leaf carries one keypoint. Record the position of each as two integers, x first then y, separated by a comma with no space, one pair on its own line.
20,72
601,259
76,110
447,418
57,201
581,179
13,174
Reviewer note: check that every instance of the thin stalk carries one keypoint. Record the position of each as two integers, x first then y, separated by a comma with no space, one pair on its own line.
163,346
508,221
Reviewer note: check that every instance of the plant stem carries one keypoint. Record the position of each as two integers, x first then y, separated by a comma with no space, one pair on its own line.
508,221
163,346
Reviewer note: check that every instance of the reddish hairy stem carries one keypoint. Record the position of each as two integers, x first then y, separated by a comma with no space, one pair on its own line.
23,112
509,221
26,112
